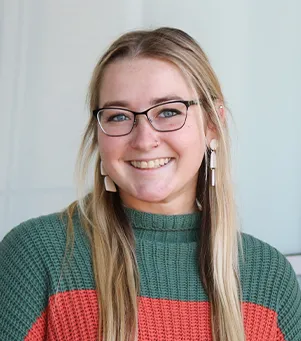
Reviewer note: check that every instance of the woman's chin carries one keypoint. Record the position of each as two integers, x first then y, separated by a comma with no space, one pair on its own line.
146,194
152,196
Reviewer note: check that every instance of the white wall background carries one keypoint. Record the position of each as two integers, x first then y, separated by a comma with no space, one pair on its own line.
48,49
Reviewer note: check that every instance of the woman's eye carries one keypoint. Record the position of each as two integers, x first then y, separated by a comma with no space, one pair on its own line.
118,118
168,113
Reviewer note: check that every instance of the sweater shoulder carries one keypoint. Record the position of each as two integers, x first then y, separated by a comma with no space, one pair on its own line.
252,245
31,239
39,245
35,266
258,253
40,226
27,272
261,256
265,272
43,232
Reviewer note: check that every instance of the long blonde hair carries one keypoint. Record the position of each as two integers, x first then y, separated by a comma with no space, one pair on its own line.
111,236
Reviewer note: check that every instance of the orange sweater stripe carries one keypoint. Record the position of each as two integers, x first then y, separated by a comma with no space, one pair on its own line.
73,316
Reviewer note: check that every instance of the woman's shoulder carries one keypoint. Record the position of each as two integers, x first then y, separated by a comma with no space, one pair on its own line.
42,241
265,272
43,230
269,281
34,266
255,249
262,257
37,225
38,248
37,233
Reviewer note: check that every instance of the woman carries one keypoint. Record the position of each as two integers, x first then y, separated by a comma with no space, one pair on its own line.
153,251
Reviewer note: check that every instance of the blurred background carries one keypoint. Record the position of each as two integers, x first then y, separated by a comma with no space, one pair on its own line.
48,49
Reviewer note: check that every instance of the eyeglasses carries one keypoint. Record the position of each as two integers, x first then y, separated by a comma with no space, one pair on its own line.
163,117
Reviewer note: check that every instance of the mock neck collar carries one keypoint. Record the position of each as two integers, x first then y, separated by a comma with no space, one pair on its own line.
160,222
165,228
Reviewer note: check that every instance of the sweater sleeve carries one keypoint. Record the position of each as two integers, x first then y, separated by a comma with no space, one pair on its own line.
289,307
23,283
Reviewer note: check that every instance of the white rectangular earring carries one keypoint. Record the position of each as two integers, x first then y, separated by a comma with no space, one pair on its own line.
213,147
102,170
109,183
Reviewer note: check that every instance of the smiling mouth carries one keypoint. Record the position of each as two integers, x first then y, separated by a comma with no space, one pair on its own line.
156,163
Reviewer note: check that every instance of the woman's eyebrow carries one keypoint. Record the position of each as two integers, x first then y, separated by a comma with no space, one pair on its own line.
115,104
153,101
167,98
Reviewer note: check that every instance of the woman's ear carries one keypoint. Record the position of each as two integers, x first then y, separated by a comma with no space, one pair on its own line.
220,108
211,131
211,134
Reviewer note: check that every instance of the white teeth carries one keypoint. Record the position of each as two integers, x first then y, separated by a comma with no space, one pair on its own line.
150,164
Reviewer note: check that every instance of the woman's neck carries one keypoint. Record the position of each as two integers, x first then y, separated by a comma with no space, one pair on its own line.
169,206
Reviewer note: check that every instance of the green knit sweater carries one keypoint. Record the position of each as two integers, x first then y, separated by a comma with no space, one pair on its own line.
39,301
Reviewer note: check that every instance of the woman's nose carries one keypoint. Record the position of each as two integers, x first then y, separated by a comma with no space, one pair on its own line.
144,136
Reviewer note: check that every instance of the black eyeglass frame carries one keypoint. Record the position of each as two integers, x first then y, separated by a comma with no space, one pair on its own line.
136,113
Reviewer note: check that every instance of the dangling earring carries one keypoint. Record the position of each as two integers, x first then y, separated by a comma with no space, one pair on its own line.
213,146
109,184
198,204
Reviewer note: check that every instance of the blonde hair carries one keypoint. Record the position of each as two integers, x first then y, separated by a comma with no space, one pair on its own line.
111,236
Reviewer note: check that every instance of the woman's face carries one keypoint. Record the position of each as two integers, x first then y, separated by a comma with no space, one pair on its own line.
168,189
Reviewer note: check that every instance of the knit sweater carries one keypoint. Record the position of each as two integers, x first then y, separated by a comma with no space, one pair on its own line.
39,301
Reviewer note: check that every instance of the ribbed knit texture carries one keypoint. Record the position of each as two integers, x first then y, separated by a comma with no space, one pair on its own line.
41,301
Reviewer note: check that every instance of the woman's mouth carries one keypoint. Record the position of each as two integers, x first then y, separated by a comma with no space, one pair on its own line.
150,164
